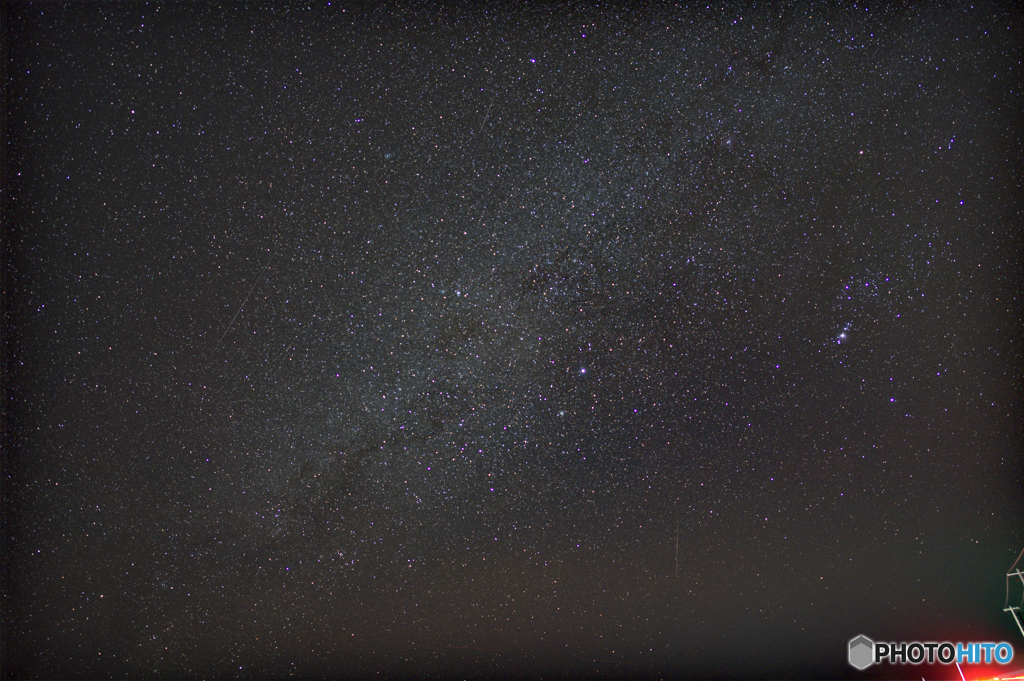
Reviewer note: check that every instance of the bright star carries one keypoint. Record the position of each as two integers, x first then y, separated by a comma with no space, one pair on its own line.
842,337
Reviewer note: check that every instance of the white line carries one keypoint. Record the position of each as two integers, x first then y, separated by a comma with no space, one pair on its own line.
232,322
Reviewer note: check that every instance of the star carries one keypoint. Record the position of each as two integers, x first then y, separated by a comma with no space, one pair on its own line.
843,337
305,321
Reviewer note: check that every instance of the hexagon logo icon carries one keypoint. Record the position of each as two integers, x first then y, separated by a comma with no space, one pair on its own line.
862,652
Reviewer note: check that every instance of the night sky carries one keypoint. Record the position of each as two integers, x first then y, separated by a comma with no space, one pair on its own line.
549,339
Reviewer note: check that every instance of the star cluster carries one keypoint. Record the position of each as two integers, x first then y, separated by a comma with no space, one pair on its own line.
581,340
